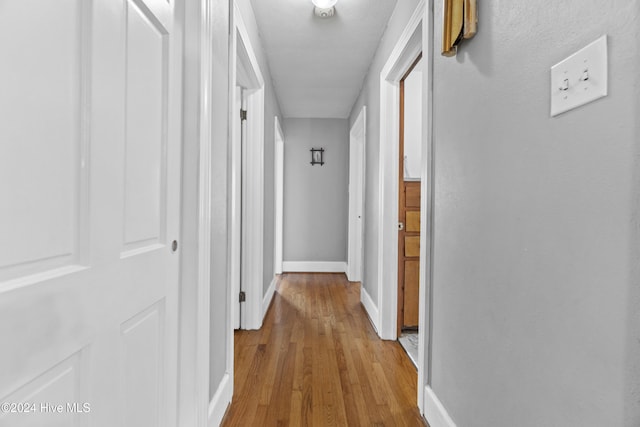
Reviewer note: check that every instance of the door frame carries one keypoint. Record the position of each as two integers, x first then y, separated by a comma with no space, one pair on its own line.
356,198
416,38
247,268
278,243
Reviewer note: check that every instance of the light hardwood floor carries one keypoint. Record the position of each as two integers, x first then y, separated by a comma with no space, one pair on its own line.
318,362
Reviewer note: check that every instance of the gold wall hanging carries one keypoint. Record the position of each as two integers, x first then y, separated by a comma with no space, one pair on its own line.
459,21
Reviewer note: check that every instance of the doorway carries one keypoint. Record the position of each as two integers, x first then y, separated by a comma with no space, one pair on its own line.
409,156
356,196
279,198
247,179
416,36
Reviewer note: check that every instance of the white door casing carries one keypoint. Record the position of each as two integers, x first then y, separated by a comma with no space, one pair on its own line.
279,198
357,141
90,176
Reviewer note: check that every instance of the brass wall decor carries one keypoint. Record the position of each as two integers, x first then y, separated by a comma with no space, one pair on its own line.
459,21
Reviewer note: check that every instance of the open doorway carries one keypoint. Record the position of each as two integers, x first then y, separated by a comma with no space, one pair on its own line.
357,140
247,179
279,198
409,154
416,38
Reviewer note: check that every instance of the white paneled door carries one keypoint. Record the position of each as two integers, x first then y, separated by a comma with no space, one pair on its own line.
89,205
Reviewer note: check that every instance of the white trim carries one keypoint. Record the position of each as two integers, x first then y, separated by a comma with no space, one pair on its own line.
370,308
204,219
252,193
357,135
278,241
220,401
403,55
426,205
434,410
268,296
315,266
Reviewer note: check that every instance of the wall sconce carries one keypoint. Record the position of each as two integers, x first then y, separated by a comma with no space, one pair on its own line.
317,156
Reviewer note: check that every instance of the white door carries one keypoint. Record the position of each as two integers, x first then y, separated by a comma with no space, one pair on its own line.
356,197
236,204
89,187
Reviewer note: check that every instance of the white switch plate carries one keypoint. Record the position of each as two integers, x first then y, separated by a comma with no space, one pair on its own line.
579,79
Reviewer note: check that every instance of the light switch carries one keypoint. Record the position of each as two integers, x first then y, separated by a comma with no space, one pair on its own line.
579,79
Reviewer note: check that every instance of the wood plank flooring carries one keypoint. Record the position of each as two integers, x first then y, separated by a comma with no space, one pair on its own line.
318,362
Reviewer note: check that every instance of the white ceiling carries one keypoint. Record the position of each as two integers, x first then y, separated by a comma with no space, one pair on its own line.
318,65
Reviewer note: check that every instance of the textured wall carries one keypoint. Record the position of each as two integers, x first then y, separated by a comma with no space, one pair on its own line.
535,275
316,200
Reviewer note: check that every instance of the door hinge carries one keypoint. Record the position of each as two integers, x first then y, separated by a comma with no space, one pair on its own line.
243,114
243,296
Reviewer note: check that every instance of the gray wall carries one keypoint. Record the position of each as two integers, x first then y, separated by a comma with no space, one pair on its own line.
535,276
316,199
536,220
370,96
272,109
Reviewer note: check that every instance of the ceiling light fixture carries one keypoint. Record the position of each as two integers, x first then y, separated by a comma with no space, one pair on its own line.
324,8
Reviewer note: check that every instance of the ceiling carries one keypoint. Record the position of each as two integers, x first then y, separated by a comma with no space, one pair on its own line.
318,65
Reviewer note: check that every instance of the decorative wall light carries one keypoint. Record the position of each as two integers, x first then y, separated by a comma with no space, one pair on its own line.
317,156
459,22
324,8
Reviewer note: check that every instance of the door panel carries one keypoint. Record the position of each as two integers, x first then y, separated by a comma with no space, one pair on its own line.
411,246
40,178
413,221
411,294
413,194
62,382
409,255
89,173
142,340
145,127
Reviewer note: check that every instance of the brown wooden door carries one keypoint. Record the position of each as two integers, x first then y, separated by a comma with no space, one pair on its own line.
409,254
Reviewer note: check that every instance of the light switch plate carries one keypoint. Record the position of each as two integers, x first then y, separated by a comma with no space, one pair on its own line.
579,79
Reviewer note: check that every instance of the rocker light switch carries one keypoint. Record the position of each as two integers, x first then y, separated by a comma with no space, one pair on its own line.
579,79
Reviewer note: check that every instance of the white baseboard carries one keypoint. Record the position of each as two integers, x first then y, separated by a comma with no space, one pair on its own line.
314,266
371,309
268,296
220,402
434,411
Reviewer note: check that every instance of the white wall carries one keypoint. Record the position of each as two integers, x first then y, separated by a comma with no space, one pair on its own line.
413,124
316,199
535,272
370,96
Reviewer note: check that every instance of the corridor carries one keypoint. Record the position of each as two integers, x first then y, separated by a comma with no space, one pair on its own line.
318,362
